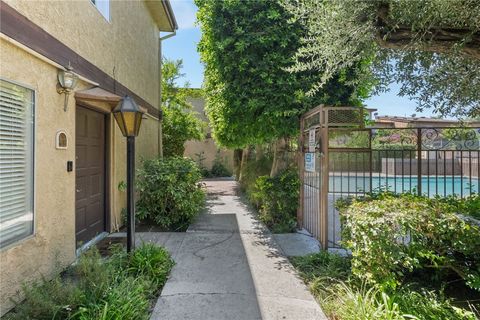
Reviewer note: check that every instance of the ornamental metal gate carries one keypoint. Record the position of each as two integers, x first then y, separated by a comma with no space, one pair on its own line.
340,158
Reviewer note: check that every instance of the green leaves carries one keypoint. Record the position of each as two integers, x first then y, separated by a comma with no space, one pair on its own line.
121,286
390,236
170,193
251,97
278,200
441,74
180,122
343,296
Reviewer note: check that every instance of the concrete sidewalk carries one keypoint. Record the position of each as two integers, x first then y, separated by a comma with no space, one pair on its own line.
228,266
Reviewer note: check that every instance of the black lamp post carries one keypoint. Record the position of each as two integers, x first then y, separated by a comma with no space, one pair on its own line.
129,118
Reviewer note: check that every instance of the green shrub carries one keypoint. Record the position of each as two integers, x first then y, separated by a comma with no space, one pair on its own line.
251,171
344,296
468,206
119,287
219,170
278,199
391,236
170,192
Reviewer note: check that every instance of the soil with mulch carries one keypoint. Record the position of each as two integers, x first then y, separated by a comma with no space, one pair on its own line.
104,246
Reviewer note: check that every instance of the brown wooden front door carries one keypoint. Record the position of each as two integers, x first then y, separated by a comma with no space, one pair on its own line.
90,174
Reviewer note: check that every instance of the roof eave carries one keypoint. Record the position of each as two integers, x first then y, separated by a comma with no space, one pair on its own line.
159,10
170,14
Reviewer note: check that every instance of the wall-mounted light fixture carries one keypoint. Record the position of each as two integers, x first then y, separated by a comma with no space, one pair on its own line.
67,81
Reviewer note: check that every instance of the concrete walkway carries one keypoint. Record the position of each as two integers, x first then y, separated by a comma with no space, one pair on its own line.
228,267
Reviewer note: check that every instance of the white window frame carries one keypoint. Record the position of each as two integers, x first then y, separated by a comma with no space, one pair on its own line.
103,6
34,165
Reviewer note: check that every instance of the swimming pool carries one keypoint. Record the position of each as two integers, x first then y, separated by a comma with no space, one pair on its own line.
431,185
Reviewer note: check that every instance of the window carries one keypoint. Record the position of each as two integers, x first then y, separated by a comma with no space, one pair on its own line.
103,6
16,162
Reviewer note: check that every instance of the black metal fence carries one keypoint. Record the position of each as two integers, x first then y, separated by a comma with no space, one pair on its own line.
427,161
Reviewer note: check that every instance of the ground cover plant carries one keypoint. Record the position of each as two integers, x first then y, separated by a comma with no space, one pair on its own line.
122,286
170,192
345,296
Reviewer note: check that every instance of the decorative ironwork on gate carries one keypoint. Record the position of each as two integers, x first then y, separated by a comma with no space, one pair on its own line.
349,159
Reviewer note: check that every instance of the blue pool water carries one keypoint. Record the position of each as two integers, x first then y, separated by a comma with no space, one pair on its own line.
431,185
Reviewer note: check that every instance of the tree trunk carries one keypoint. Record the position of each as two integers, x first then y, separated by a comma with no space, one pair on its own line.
243,164
237,162
280,157
258,152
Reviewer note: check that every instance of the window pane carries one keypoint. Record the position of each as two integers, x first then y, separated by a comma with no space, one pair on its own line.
16,162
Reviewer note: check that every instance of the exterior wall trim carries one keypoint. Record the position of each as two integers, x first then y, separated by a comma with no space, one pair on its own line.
43,58
171,16
19,28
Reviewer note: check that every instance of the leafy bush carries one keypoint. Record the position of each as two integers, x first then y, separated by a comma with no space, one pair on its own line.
119,287
251,171
278,199
343,296
219,169
180,122
170,193
468,206
391,236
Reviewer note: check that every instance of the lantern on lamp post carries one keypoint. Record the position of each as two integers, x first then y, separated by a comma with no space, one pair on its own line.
129,118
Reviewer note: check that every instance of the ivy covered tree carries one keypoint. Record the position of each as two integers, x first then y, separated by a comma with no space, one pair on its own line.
251,98
431,47
179,121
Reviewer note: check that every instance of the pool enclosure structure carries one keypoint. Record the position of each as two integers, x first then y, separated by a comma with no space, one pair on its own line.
343,154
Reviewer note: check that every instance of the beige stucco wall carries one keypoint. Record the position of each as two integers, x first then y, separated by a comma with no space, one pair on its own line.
52,247
207,148
126,48
54,210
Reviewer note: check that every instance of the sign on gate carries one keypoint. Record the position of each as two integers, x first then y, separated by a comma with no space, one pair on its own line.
311,140
310,162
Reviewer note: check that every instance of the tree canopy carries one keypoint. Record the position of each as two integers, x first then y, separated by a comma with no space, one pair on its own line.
179,121
431,47
246,48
